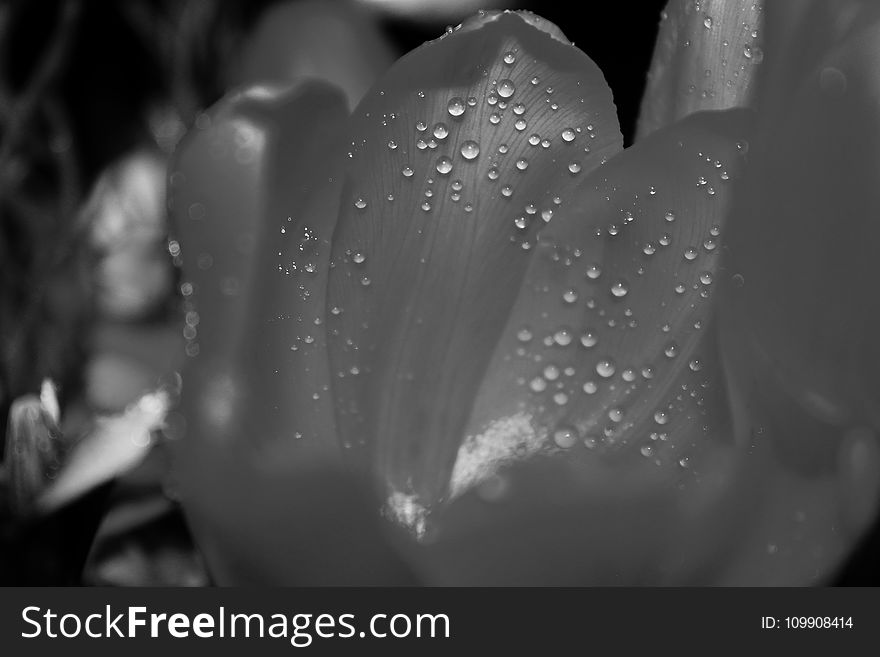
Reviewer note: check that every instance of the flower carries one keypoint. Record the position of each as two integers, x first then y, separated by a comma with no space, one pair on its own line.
468,305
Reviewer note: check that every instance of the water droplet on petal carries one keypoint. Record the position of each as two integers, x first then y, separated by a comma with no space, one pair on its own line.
470,149
568,135
605,368
524,335
360,204
509,57
564,437
562,337
455,107
506,88
444,165
589,339
440,131
661,417
620,289
538,384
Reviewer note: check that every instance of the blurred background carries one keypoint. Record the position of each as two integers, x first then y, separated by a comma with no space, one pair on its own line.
94,97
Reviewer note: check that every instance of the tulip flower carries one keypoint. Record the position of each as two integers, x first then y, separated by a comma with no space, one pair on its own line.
463,337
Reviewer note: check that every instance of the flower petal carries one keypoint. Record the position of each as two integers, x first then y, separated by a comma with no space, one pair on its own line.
464,139
254,181
605,347
259,466
706,57
801,316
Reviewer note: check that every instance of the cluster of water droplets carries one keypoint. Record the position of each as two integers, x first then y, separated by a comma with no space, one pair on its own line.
576,363
738,53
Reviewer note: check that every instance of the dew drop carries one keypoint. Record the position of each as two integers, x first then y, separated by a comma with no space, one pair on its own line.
568,135
671,350
444,165
562,337
441,131
537,384
574,167
455,106
690,253
520,124
594,272
695,365
620,289
661,417
407,172
493,173
570,296
590,387
470,149
565,437
509,57
589,339
505,88
360,204
522,164
524,334
605,368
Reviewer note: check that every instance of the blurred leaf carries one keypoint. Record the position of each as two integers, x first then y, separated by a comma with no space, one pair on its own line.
34,447
115,446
